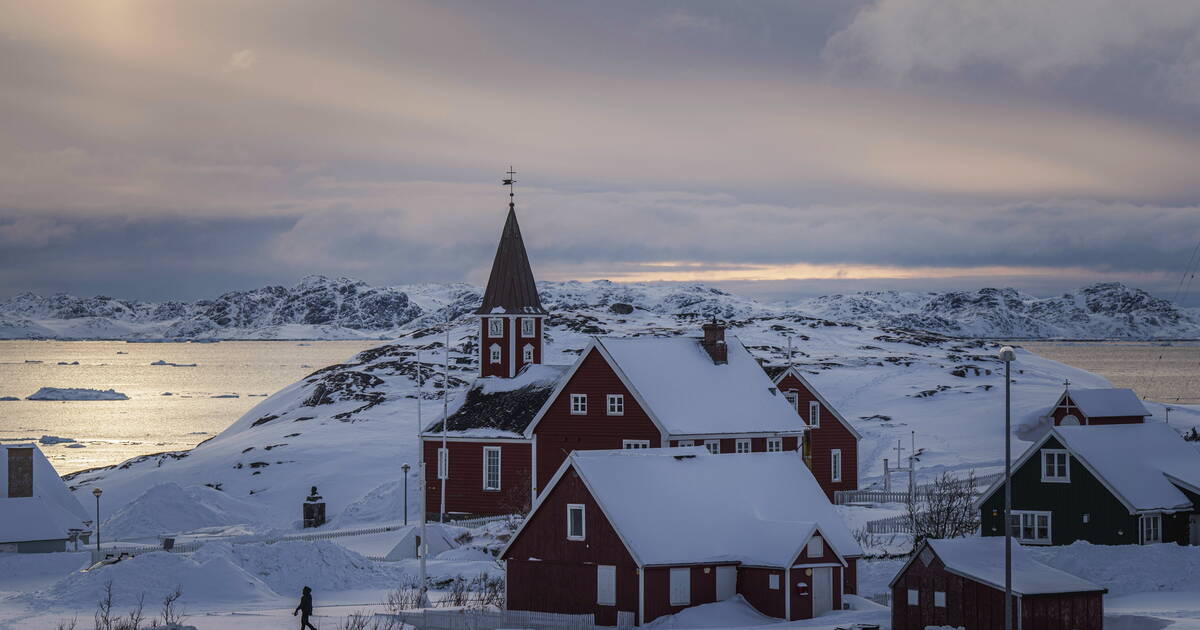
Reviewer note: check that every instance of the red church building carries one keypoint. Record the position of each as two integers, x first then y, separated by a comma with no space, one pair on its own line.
1108,405
831,450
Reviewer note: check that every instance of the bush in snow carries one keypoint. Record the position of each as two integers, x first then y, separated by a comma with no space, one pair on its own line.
948,510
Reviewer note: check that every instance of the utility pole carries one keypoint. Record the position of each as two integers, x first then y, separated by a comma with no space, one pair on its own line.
1007,355
422,547
444,454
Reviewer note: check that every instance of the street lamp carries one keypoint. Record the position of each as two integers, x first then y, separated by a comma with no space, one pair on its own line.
405,468
1007,355
96,492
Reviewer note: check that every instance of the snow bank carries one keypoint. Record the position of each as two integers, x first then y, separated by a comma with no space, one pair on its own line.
382,504
72,393
734,612
1127,569
286,567
170,508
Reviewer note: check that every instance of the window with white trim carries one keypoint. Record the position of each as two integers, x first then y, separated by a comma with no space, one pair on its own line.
773,582
816,547
814,414
495,327
793,398
576,529
741,446
1151,528
914,597
443,464
527,354
632,444
491,468
939,599
681,586
774,445
713,446
686,443
494,353
835,463
527,327
578,404
616,404
1031,527
1056,466
606,585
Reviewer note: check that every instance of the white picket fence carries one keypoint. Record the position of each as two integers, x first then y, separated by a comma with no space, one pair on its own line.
842,497
433,619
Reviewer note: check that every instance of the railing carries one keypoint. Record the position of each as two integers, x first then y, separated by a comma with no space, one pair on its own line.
842,497
433,619
891,525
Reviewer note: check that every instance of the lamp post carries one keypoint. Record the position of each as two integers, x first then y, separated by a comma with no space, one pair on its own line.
96,492
405,468
1007,355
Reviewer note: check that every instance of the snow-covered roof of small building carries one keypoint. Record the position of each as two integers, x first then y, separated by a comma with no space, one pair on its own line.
688,394
753,508
982,560
1140,463
501,407
1108,402
48,514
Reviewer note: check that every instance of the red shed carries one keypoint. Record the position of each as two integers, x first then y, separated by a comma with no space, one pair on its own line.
1108,405
832,445
960,582
602,540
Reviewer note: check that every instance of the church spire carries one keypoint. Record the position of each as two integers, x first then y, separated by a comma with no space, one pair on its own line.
511,288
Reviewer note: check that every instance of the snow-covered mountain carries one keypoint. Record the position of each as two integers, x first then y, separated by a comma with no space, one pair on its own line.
342,308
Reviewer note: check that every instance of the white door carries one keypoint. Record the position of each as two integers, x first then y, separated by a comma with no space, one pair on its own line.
726,582
822,590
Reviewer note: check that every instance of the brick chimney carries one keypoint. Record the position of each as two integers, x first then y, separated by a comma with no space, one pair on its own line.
714,343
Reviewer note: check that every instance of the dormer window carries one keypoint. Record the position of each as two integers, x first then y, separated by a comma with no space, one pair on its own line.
527,326
792,398
494,353
495,327
527,354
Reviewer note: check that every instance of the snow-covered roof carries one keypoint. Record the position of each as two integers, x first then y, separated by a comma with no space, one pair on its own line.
777,374
752,508
1107,402
48,514
688,394
1140,463
982,560
495,407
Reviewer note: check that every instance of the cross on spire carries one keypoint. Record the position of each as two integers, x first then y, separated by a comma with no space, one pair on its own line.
509,181
1067,384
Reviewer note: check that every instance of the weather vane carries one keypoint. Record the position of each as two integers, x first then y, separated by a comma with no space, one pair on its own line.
509,181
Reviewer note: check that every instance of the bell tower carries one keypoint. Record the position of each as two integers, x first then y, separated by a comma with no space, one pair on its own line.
511,315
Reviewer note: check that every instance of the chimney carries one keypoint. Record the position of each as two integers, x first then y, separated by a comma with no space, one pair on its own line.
714,342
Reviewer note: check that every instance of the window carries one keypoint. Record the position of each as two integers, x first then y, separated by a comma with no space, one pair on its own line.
1151,528
681,586
491,468
443,471
527,354
914,597
616,404
578,404
1056,466
774,445
939,599
741,446
631,444
814,414
1031,527
686,443
835,462
527,327
816,547
713,446
575,525
494,353
495,327
773,582
793,398
606,585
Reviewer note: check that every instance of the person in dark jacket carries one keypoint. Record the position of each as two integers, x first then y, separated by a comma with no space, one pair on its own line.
305,609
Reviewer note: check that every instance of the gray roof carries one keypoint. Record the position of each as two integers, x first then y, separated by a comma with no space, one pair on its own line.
511,288
497,407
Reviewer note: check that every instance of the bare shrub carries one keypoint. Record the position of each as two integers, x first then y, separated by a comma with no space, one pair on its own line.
948,510
457,595
103,616
489,591
67,625
363,621
172,613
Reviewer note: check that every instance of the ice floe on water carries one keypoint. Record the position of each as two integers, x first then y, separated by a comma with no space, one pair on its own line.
54,439
168,363
76,393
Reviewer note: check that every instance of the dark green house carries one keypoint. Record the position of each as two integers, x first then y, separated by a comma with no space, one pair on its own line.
1106,484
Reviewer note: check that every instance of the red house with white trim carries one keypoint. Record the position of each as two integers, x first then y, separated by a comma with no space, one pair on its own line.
832,446
1109,405
602,540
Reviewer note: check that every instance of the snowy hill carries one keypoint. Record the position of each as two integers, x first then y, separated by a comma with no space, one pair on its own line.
342,308
347,428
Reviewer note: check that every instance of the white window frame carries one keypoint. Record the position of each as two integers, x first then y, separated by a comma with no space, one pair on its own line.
939,599
582,509
681,586
835,464
914,597
793,398
815,547
494,353
814,414
606,585
615,404
578,404
527,353
742,445
713,446
1028,519
682,443
488,450
775,445
635,444
1055,453
528,328
443,463
1144,524
495,327
773,582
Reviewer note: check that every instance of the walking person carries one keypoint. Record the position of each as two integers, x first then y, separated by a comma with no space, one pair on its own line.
305,609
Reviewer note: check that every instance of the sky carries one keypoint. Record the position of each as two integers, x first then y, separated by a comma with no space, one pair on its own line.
177,150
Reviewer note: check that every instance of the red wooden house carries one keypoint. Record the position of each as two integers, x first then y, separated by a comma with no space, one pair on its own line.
831,449
603,540
1098,406
960,583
